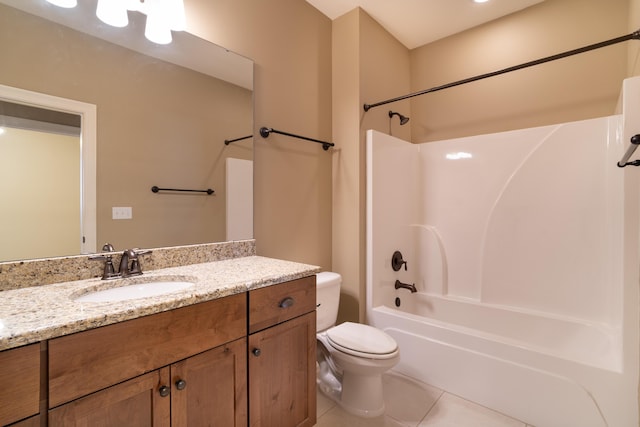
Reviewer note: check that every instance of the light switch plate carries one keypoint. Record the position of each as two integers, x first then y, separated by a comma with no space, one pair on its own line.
121,212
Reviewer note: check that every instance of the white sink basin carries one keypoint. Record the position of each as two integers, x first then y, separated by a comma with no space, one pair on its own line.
135,291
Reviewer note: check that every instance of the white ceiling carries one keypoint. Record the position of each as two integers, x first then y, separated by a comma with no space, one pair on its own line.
418,22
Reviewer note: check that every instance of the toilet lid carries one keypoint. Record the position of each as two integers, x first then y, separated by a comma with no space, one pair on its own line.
359,338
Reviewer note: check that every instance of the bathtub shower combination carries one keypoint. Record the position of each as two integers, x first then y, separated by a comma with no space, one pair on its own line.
523,249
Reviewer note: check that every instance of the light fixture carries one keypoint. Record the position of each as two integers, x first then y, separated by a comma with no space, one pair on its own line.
480,1
175,15
64,3
157,29
163,16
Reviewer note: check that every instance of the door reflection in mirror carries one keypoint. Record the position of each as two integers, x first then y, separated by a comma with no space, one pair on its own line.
47,175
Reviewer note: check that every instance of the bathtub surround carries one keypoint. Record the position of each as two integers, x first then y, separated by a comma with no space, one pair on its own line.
367,62
523,247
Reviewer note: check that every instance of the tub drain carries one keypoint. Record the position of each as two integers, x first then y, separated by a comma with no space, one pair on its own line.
397,301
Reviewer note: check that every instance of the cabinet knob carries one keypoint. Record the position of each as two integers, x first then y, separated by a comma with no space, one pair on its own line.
164,391
256,352
181,384
287,302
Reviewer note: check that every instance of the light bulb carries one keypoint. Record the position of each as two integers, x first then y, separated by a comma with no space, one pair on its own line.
64,3
175,13
157,28
113,12
135,5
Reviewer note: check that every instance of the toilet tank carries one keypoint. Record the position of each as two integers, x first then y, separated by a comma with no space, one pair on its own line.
327,299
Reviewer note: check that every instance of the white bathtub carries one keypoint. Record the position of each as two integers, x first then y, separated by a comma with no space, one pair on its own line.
544,371
564,338
523,247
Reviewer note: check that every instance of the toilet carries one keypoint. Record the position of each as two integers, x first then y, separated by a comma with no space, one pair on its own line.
351,356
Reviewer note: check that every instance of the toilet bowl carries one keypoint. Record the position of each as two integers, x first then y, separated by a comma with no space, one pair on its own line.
351,356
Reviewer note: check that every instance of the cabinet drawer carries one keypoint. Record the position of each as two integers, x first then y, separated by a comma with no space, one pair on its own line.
20,380
274,304
88,361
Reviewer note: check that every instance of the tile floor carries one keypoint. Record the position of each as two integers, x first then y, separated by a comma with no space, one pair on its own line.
411,403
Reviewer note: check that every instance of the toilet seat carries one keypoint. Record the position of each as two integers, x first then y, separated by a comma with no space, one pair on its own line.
361,340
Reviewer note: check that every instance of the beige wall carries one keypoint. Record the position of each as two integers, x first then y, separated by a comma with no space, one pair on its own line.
290,42
359,43
633,49
574,88
347,235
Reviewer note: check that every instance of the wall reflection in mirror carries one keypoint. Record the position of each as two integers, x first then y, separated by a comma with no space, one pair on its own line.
162,119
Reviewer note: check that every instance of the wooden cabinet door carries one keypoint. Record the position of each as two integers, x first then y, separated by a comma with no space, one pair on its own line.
136,403
282,374
19,383
209,389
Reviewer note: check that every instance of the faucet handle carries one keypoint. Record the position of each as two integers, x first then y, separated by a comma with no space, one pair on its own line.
139,251
397,261
109,271
108,247
135,262
99,257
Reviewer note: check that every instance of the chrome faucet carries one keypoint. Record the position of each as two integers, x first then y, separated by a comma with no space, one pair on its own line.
411,287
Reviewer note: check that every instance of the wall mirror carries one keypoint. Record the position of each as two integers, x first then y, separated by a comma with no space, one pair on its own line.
162,116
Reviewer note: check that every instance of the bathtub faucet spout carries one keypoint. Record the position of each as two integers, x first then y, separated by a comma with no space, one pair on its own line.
411,287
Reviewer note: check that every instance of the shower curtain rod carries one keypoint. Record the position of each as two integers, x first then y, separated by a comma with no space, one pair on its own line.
635,35
229,141
264,132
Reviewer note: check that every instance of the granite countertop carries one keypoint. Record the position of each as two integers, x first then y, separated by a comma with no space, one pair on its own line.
39,313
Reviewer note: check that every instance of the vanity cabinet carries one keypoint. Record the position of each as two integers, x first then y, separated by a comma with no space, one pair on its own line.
245,359
282,354
20,385
171,368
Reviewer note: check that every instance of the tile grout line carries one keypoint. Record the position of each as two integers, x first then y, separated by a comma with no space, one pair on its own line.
442,392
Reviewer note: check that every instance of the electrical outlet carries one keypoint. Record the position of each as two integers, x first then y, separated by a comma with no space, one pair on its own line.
121,212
